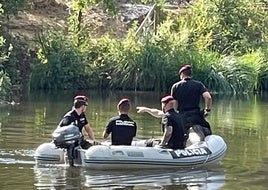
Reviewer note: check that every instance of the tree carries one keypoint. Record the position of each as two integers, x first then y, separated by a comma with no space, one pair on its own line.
76,14
12,7
5,83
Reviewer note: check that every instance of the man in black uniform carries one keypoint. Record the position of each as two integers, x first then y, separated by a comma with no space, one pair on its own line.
77,117
122,127
187,93
174,132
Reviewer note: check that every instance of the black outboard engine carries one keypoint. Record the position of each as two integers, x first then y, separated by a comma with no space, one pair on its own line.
67,137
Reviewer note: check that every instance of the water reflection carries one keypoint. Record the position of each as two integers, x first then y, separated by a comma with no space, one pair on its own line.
57,177
157,179
77,178
241,120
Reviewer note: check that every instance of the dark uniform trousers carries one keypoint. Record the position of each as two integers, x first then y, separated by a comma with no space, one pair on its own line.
195,117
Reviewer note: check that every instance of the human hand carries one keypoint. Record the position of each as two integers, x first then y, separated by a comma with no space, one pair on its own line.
96,142
206,112
140,109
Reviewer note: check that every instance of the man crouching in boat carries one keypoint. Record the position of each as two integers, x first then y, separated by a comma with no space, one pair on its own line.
77,117
187,94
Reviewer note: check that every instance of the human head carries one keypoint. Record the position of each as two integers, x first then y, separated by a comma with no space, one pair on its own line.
80,100
185,70
167,103
123,105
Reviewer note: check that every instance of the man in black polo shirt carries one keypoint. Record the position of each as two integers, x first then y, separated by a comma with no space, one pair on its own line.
187,93
122,127
77,117
174,132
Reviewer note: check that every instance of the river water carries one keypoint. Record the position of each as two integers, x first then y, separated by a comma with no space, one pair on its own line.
241,120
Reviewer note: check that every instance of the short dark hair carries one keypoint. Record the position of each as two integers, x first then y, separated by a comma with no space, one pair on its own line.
187,72
78,104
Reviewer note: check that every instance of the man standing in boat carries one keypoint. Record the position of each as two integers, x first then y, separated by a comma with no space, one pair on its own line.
77,117
187,93
122,127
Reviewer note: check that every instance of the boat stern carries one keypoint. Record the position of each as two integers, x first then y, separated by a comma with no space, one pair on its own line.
48,153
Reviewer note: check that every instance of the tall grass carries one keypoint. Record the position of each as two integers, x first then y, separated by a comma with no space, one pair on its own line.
224,40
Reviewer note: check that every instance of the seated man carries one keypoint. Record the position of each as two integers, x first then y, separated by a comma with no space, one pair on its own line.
77,117
122,127
194,133
174,133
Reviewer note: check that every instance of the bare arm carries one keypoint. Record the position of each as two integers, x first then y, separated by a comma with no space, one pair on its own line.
175,105
105,135
166,136
208,100
89,132
152,111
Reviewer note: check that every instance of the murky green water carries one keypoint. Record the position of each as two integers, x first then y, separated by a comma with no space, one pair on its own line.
241,121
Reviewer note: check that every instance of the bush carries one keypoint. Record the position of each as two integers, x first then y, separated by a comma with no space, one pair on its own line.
61,65
224,26
224,40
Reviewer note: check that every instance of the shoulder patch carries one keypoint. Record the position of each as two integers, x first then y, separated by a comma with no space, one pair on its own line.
164,120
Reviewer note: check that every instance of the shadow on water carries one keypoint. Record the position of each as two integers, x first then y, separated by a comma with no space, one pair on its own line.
79,178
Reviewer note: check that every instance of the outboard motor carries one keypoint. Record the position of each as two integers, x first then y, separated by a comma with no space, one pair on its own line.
67,137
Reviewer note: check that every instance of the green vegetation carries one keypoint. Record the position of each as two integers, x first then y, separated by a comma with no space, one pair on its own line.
224,40
5,83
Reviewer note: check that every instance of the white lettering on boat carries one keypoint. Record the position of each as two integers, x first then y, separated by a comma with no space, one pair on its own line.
191,152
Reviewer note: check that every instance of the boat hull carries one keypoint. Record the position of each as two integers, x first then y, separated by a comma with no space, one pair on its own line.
200,154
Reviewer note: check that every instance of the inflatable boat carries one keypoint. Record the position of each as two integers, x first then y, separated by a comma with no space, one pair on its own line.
65,149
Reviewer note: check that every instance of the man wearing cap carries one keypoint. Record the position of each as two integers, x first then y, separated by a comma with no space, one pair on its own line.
77,117
174,136
122,127
187,93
